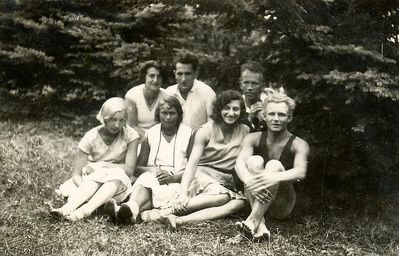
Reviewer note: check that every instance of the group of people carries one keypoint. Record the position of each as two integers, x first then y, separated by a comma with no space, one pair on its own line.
184,154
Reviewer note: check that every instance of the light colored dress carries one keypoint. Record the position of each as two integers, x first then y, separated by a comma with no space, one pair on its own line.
145,113
93,145
169,156
215,172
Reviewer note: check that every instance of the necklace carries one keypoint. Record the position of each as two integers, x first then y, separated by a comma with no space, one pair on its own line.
174,147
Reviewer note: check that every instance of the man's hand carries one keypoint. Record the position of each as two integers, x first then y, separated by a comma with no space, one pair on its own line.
164,177
180,205
259,183
256,111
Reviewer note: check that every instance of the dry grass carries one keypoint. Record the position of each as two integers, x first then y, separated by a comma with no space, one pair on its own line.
35,158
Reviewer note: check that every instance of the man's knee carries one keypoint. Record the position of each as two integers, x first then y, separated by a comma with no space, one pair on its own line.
255,164
274,166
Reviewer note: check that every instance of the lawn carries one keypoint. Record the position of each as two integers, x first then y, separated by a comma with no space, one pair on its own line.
35,157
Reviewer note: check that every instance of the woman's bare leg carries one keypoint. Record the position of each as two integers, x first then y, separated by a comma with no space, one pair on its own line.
85,191
233,206
104,193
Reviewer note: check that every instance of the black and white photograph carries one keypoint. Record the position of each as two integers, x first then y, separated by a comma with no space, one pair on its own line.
199,127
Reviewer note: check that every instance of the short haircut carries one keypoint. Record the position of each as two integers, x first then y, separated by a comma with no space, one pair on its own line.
254,67
146,66
187,58
173,102
222,100
280,97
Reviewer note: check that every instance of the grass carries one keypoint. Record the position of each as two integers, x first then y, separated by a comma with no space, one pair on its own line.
35,157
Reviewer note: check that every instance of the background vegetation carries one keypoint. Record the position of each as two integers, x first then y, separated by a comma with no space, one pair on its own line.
338,58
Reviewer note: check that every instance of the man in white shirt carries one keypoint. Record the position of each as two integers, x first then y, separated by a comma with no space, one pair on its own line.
195,96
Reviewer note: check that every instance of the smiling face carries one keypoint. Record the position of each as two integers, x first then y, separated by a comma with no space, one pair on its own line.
231,112
277,116
185,75
168,116
251,84
116,122
153,79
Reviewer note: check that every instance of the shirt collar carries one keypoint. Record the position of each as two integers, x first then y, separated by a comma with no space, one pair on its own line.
194,88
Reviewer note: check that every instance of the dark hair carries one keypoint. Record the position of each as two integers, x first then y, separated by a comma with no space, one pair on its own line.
187,58
254,67
222,100
146,66
172,101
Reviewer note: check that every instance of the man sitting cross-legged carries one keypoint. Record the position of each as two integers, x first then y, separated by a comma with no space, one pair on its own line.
268,163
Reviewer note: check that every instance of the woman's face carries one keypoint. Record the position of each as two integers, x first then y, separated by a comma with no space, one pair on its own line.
153,79
231,112
115,123
168,116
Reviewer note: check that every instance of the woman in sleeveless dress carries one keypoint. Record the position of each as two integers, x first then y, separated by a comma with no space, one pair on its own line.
208,189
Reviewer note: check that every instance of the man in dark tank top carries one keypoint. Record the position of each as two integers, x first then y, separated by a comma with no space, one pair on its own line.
268,163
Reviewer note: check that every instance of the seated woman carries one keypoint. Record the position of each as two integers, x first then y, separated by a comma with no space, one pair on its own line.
208,188
142,100
105,160
163,157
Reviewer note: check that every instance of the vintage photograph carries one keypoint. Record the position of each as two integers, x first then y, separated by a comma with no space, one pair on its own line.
199,127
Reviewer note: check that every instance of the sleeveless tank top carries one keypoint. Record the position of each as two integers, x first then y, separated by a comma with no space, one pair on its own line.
286,158
218,154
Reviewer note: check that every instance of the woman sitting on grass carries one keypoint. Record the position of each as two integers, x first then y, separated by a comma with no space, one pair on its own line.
106,158
208,189
163,157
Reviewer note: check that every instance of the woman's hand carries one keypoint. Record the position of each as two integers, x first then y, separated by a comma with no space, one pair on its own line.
180,205
77,180
164,177
91,167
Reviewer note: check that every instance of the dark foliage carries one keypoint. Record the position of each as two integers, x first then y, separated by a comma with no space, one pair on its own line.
337,58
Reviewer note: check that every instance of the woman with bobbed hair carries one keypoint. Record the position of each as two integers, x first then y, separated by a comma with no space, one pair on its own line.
105,161
143,99
162,159
208,187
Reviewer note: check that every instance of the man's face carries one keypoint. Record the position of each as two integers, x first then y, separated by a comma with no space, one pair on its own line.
276,116
185,76
251,85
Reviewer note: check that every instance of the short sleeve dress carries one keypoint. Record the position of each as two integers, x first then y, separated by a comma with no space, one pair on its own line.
93,145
